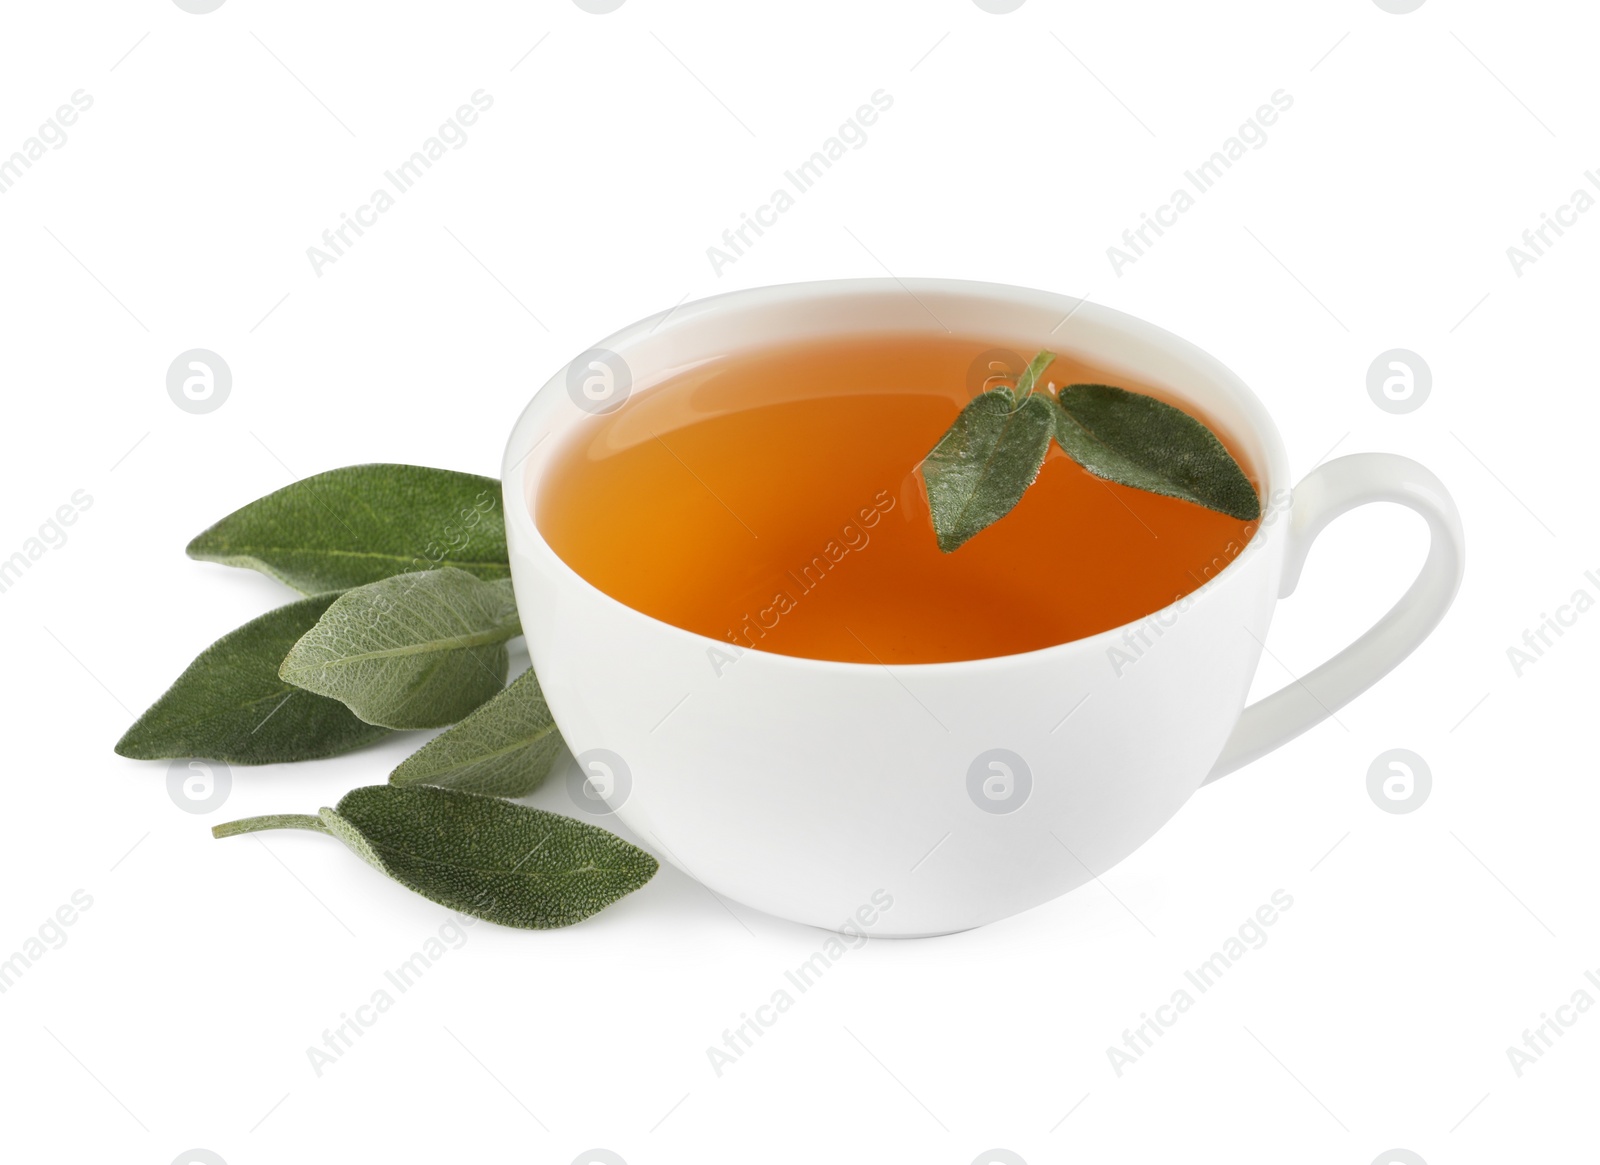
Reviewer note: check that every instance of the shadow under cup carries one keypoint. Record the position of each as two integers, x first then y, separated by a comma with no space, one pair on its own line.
927,798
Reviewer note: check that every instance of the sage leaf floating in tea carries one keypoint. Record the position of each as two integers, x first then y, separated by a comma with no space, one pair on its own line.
985,462
355,525
1139,441
505,748
987,459
411,651
478,855
231,705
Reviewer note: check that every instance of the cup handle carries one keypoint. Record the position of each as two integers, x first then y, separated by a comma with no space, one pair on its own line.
1324,494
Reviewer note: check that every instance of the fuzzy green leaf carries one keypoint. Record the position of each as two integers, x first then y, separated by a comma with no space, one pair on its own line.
1137,440
412,651
503,749
230,704
362,523
479,855
985,462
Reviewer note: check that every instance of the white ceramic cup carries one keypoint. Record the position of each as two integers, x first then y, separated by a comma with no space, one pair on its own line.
927,798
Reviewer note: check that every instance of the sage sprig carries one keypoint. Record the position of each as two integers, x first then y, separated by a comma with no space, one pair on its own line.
984,463
482,856
505,748
231,705
410,651
355,525
387,645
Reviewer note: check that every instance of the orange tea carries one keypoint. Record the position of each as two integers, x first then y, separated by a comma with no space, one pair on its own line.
772,499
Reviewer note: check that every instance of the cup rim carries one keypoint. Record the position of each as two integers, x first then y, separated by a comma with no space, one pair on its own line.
521,445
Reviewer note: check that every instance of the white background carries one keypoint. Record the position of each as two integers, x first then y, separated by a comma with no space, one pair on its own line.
619,147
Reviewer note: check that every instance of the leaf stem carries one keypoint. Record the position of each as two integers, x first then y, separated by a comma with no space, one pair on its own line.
1030,376
271,821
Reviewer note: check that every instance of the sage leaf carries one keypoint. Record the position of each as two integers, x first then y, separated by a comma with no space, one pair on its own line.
505,748
411,651
1137,440
351,526
985,462
478,855
230,704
